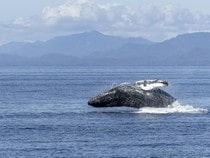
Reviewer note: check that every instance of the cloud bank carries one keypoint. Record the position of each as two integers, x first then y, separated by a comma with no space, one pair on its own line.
151,22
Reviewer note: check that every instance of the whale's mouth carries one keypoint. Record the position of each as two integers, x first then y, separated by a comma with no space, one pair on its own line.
101,101
105,99
176,107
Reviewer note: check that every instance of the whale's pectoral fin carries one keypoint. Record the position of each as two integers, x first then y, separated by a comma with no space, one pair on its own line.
151,84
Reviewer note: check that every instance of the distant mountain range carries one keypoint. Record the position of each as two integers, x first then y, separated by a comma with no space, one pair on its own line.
95,48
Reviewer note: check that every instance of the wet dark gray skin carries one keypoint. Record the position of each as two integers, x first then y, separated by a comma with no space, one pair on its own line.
131,95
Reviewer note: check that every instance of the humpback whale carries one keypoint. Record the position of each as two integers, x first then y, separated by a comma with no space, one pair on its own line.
143,93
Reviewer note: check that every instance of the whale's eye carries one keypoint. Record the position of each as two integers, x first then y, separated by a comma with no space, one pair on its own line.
113,92
109,92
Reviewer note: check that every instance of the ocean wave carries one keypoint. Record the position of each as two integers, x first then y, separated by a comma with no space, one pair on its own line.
176,107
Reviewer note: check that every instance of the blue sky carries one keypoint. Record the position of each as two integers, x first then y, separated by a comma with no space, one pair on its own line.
157,20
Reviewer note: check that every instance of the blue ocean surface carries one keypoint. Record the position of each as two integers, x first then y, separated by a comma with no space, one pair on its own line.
44,113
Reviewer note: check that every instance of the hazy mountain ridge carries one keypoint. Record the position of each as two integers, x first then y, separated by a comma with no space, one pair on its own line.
94,48
78,45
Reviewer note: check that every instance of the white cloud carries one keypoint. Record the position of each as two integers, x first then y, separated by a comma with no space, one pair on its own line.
152,22
22,22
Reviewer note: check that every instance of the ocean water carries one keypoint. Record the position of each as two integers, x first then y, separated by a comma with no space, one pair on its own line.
44,113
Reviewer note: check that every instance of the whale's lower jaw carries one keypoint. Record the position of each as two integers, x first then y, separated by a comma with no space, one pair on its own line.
105,105
131,96
135,105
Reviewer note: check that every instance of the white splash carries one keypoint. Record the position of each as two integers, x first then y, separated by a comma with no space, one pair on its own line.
176,107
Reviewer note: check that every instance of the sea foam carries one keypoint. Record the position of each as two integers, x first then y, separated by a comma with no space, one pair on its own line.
176,107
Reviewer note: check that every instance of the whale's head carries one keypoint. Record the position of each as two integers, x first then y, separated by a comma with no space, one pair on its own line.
106,99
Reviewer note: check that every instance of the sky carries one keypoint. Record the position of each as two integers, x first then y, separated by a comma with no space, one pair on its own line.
156,20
